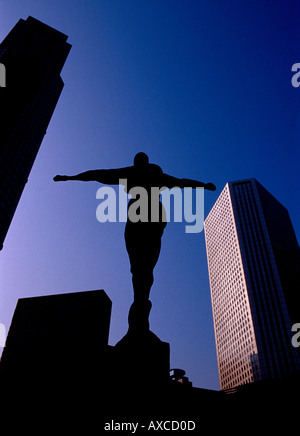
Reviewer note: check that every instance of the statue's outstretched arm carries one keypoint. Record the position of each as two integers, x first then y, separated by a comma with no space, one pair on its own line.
108,177
172,182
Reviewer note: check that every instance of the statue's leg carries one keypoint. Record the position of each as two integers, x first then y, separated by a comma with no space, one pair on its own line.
143,243
138,317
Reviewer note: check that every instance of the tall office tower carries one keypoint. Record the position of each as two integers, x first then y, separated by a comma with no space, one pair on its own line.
253,263
33,55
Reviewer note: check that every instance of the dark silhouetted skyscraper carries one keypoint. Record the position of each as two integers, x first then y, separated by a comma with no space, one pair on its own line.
33,55
253,262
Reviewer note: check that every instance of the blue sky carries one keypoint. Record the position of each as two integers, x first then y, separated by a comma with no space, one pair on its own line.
204,88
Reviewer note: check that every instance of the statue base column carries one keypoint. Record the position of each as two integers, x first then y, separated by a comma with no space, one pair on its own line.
141,359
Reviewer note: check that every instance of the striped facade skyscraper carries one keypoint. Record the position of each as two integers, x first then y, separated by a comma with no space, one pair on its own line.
253,263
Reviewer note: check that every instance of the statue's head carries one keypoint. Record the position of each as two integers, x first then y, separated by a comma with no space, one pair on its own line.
141,160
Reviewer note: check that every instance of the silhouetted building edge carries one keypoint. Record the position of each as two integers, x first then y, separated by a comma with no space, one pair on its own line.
33,54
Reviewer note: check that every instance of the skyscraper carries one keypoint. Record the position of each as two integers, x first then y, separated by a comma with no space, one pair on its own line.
253,263
33,55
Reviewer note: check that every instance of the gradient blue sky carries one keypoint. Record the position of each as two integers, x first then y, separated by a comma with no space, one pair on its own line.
204,88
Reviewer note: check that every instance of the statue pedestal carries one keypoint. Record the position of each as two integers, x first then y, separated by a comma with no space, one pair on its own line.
141,359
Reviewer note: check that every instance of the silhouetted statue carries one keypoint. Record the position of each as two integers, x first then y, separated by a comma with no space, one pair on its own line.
143,239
